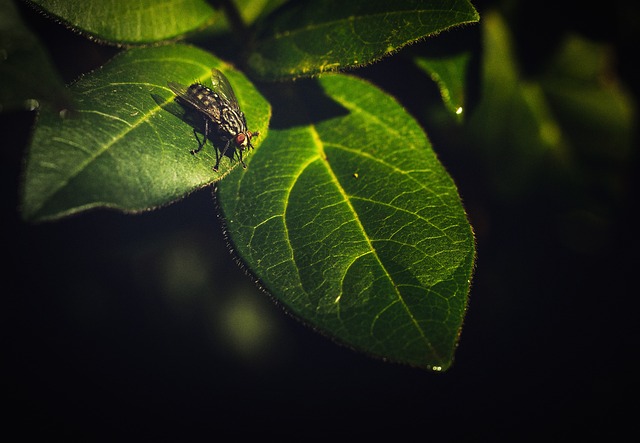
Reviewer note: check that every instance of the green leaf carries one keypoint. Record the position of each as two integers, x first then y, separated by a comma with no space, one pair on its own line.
132,21
312,37
27,75
449,74
352,223
125,144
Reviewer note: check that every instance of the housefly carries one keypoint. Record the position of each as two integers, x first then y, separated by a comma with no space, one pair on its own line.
221,113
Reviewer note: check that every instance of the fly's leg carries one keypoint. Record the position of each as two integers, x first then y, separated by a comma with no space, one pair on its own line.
249,146
204,140
224,151
242,161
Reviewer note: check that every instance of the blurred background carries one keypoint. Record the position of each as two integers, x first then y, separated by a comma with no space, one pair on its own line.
144,325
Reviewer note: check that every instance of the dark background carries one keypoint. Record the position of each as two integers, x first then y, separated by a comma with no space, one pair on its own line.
131,326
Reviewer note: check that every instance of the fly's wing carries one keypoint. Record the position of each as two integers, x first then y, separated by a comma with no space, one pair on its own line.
177,88
185,94
223,88
194,97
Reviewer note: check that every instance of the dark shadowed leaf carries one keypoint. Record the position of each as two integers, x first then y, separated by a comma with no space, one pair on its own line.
582,85
27,76
574,114
353,224
512,122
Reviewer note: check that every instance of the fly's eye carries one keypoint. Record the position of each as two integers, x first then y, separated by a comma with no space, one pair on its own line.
240,139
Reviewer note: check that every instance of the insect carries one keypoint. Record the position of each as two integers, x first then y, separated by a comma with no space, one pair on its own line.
221,114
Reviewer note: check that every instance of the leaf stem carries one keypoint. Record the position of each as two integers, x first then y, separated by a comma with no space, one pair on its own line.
235,19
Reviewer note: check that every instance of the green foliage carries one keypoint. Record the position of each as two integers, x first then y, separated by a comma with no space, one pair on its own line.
344,214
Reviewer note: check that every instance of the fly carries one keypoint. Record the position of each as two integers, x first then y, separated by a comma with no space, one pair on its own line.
221,113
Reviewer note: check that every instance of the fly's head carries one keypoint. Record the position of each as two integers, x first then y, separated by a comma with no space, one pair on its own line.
243,139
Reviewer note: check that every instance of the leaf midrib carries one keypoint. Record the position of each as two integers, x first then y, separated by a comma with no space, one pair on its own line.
321,155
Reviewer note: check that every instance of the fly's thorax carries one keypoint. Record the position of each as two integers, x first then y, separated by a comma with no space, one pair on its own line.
232,122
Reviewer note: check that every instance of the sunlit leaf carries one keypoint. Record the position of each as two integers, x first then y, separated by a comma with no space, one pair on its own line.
132,21
355,227
126,144
308,38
